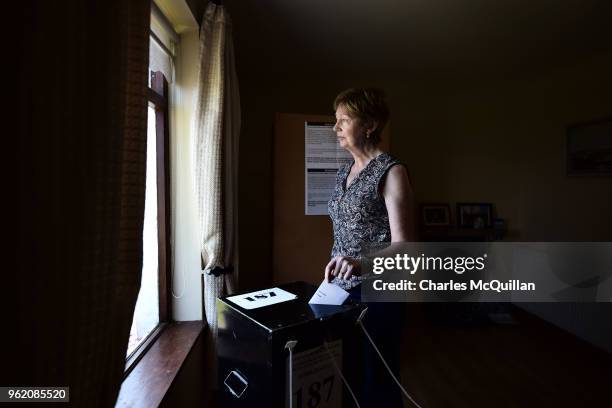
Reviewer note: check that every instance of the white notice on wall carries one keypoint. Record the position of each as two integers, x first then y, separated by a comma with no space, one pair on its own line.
323,159
316,383
261,298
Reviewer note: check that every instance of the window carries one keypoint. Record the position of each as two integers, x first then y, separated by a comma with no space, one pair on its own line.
152,307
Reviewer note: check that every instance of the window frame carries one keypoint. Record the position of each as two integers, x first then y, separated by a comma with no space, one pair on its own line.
158,95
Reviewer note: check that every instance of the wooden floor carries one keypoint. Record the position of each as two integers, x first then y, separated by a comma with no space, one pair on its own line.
527,364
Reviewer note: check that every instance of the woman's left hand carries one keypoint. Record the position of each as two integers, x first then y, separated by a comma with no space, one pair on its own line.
343,267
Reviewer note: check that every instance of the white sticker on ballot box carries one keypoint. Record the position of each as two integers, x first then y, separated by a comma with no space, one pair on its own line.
316,383
261,298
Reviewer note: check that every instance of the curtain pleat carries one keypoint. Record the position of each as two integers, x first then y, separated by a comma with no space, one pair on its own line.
82,153
215,151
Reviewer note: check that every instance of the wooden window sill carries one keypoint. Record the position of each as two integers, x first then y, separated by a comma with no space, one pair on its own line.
150,379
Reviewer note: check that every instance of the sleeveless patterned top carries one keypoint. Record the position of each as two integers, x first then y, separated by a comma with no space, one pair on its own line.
358,212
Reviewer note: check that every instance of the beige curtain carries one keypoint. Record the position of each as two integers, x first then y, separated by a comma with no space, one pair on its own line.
82,152
215,149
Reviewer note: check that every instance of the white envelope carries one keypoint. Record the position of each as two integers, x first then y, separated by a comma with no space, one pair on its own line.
328,294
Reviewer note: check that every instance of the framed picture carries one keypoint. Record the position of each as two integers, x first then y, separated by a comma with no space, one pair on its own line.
436,215
474,215
589,148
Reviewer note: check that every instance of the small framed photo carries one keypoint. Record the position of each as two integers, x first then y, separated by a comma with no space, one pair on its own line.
436,215
474,215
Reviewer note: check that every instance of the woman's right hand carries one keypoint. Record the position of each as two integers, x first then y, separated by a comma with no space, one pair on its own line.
342,267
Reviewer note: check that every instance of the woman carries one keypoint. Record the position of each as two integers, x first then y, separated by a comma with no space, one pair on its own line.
372,203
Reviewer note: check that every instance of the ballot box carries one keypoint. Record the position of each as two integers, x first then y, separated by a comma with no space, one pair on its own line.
253,352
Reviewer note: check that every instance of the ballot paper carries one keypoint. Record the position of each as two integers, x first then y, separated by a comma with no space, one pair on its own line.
329,294
261,298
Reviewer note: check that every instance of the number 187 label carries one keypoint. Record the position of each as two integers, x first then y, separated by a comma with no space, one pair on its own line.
316,384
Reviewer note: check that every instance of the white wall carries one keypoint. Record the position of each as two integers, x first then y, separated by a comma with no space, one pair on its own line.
186,279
